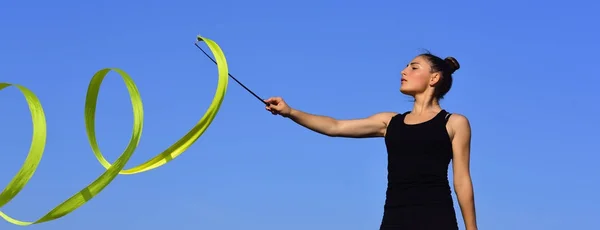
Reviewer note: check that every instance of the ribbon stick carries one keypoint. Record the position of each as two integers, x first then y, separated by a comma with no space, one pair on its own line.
112,170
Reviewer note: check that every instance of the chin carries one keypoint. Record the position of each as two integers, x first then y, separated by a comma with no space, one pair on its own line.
407,91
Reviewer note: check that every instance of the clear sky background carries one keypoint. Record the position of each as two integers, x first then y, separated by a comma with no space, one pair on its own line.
528,82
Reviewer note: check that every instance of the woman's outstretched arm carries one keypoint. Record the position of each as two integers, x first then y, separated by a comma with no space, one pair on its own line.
372,126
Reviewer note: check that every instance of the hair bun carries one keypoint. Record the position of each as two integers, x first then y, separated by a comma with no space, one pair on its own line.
452,63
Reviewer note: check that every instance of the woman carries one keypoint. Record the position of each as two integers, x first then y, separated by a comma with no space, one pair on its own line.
420,144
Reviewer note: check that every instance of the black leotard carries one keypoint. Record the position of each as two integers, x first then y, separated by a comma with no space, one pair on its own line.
418,194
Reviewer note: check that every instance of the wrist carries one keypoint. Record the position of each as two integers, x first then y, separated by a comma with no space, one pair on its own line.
291,113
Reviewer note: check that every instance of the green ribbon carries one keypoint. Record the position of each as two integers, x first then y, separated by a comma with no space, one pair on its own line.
112,170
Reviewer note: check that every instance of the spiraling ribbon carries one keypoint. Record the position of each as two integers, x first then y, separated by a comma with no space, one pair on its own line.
38,142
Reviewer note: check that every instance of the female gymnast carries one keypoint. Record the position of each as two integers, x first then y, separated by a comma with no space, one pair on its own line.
420,145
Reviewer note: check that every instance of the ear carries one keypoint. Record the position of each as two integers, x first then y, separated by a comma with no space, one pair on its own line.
434,78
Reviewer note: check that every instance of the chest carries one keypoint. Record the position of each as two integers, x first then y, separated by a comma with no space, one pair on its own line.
427,139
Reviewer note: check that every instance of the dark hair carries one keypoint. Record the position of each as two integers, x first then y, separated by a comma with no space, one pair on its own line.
446,67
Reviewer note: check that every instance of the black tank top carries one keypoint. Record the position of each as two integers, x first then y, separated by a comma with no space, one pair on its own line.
418,159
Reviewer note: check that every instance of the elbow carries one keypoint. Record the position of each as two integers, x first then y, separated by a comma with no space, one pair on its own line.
329,133
460,187
333,129
464,189
464,192
462,182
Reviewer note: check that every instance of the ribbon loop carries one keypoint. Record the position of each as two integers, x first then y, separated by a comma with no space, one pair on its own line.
112,170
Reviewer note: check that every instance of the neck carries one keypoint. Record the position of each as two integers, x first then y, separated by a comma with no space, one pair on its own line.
424,104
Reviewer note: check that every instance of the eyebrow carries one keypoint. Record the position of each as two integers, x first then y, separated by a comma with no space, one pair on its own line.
414,63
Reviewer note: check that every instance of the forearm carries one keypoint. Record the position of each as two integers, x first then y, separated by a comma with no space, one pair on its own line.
320,124
466,201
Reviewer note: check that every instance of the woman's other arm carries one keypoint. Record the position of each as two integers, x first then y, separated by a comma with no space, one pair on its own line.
463,185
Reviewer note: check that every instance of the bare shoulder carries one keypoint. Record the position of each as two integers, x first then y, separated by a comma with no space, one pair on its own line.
384,117
458,120
459,125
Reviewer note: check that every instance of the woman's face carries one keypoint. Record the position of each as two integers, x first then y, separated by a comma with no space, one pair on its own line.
416,77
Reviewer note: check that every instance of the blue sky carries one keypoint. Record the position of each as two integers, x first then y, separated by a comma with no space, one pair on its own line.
528,83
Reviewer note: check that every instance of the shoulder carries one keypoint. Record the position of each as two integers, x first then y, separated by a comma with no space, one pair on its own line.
384,117
458,120
459,124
